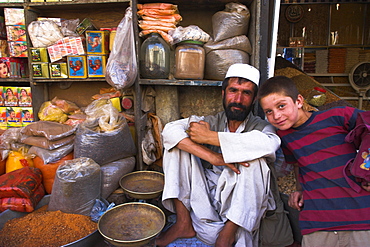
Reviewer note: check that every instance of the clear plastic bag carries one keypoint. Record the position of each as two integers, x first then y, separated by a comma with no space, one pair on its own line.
121,70
77,185
191,32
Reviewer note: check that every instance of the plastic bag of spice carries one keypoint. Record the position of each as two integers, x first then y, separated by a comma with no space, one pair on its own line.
106,130
77,185
42,142
113,172
50,156
240,42
232,21
219,61
51,130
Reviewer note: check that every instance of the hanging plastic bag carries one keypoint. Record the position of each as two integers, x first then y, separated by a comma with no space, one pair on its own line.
121,70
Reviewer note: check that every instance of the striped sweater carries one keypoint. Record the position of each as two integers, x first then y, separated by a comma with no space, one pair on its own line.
319,149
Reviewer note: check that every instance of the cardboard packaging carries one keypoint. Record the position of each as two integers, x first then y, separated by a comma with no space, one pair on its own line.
97,42
16,33
3,123
24,97
58,70
26,116
39,54
13,117
13,67
40,70
86,24
14,16
18,48
96,65
77,66
10,95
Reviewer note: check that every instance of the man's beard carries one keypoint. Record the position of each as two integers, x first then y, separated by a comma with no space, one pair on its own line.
237,115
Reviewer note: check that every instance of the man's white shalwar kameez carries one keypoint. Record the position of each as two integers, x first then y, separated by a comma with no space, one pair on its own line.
215,194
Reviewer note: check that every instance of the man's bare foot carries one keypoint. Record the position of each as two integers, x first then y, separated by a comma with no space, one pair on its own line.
178,230
226,237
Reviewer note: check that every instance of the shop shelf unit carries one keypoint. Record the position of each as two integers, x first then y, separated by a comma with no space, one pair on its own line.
177,98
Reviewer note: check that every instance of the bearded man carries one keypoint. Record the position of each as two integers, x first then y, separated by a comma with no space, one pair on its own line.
218,174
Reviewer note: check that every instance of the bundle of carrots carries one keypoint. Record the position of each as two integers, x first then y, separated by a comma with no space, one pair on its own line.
158,18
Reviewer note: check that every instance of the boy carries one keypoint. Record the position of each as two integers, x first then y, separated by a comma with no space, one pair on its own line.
332,213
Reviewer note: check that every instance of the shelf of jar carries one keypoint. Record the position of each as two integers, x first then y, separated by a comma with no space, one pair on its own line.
327,74
174,82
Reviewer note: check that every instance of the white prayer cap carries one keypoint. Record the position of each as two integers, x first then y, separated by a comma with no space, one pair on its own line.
245,71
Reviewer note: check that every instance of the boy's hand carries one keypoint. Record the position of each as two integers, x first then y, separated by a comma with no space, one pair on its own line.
366,186
296,200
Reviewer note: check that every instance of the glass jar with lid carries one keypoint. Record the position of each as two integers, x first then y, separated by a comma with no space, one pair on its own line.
190,60
154,58
317,96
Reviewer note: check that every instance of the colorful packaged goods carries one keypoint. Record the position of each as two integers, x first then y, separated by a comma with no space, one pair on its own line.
10,95
96,65
13,67
158,18
24,96
16,33
58,70
77,66
40,70
86,24
18,48
14,16
3,123
39,54
97,42
27,116
13,117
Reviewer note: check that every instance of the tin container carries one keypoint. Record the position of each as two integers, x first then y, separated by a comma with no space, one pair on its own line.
96,65
77,66
97,42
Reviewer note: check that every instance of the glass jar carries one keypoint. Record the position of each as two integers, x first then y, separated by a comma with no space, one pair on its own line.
190,60
317,96
155,58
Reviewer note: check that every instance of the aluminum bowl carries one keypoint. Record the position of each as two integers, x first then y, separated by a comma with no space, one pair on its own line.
131,224
143,184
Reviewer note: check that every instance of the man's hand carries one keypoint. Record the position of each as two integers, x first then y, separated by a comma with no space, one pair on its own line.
218,160
296,200
202,134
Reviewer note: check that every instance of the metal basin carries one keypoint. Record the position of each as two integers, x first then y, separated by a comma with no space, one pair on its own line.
143,184
131,224
88,240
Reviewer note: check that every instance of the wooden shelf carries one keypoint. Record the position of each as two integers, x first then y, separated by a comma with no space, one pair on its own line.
175,82
327,74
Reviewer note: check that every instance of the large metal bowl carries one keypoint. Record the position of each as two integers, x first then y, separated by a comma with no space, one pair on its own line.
131,224
143,184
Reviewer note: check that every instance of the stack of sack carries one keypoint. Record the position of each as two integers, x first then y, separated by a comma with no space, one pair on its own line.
158,18
229,43
21,189
105,138
51,143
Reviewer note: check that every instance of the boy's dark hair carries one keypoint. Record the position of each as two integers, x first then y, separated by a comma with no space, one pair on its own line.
278,84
